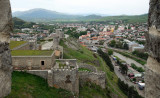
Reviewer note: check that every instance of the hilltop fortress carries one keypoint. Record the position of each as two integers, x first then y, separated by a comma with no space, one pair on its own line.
60,73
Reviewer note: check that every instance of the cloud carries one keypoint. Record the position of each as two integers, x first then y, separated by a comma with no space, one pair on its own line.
112,7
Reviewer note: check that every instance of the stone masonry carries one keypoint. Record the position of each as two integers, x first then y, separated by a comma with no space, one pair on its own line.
5,56
152,77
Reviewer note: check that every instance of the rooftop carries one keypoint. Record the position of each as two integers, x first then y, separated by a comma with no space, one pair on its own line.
31,53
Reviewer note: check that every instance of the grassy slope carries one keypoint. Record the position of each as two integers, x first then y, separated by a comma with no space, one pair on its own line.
88,90
14,44
31,53
84,54
29,86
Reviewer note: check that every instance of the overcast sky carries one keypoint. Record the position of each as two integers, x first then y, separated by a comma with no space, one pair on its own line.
106,7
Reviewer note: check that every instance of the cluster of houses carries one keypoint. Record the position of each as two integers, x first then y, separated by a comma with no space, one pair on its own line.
133,46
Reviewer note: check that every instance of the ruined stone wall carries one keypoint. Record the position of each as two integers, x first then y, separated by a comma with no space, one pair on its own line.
98,78
90,67
5,57
67,79
152,76
55,42
32,62
71,62
41,73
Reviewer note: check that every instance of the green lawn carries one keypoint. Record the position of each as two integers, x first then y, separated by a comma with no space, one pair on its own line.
30,86
14,44
31,53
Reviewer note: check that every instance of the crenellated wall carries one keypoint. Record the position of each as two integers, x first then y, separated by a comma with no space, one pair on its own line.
67,79
70,78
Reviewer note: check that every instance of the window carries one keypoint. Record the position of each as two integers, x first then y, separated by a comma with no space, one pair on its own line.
42,62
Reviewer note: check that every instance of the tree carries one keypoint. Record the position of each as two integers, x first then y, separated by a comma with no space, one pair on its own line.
113,43
110,52
126,46
106,58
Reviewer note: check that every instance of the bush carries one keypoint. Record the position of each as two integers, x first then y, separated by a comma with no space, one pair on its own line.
110,52
139,69
140,55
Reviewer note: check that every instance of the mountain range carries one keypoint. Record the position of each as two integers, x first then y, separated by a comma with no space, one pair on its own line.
43,15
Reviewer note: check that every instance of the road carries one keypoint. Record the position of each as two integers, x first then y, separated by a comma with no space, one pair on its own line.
126,79
128,60
122,77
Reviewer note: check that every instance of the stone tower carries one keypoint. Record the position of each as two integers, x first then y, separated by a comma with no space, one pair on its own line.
152,78
5,56
55,42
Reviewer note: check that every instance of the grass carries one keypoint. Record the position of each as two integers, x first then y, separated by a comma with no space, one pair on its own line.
88,90
14,44
83,54
62,65
31,53
25,85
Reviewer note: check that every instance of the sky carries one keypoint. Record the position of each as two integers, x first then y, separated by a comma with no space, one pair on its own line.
85,7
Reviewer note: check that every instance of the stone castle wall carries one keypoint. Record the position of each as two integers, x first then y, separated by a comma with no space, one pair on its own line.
5,55
70,78
67,79
33,62
98,78
40,73
152,77
90,67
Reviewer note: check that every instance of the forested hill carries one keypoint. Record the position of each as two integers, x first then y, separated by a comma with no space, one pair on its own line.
19,23
43,15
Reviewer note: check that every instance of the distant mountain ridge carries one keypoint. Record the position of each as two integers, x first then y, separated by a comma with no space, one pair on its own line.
43,15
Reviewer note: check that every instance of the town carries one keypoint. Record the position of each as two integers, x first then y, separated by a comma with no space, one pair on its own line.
40,47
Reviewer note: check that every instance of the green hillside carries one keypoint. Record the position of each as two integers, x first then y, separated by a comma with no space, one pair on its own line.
19,23
82,54
127,19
